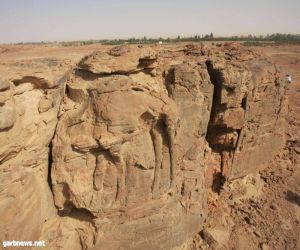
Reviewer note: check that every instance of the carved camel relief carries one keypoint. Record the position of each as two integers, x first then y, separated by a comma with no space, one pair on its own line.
154,111
126,114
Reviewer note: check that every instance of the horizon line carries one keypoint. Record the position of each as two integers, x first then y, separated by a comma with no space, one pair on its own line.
241,35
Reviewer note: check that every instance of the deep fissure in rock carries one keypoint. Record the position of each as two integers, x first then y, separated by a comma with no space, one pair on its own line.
244,103
214,130
50,160
216,80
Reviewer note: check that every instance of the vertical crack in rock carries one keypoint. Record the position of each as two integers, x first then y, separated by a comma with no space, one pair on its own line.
214,130
63,91
50,160
157,141
244,104
216,80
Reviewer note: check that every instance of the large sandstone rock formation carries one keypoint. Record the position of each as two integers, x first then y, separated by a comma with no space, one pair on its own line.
30,97
139,135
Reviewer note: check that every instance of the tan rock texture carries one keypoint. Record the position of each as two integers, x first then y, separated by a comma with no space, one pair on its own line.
118,152
25,135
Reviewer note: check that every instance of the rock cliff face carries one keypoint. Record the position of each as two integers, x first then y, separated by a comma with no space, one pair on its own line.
119,151
30,97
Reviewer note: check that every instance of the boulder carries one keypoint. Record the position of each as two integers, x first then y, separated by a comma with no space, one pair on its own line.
122,59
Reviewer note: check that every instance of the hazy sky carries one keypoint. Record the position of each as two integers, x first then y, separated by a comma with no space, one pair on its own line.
52,20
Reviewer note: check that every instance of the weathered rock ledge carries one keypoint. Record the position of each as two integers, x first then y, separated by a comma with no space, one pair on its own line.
120,150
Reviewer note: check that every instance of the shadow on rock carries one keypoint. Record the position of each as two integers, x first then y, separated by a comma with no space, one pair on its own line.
293,197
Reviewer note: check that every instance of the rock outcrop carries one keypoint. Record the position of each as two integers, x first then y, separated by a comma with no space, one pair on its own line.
139,136
246,119
29,105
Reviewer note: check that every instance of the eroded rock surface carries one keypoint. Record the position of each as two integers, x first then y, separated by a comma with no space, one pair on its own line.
140,134
26,130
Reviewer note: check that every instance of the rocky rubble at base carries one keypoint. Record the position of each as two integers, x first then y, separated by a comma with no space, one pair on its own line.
121,150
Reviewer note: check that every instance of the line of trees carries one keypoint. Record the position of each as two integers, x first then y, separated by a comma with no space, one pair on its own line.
275,38
249,39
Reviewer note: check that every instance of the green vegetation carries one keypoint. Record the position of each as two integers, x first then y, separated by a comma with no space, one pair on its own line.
253,43
77,43
249,40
